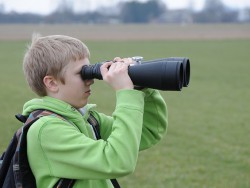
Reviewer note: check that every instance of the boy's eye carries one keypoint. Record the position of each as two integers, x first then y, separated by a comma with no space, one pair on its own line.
79,74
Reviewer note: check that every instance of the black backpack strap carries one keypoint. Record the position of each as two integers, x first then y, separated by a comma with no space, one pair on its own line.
15,157
64,183
21,170
93,121
115,183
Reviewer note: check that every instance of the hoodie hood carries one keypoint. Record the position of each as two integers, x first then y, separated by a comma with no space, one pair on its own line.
60,107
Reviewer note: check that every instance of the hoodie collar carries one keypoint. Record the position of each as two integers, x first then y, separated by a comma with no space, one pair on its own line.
58,106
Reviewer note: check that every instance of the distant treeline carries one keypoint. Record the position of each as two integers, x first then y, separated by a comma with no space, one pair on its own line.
214,11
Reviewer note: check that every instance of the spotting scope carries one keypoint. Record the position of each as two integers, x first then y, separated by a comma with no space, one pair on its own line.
167,74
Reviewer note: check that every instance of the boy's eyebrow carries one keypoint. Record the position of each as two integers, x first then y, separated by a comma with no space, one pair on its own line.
79,67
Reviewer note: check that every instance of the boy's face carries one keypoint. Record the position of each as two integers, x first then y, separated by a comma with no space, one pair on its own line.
75,91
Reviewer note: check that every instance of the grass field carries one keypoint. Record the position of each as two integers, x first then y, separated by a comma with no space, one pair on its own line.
207,144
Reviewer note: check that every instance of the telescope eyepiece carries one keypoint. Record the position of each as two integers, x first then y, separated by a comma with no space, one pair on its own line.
91,71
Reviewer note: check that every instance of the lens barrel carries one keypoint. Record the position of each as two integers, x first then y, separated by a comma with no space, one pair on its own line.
183,60
164,74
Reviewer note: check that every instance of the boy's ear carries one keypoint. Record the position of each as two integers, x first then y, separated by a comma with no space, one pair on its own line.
51,84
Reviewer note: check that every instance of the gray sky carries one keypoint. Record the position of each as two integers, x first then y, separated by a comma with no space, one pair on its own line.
47,6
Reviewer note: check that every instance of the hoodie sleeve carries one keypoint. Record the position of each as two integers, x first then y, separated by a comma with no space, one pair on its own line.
155,119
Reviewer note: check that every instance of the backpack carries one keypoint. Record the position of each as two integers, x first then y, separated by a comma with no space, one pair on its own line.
15,171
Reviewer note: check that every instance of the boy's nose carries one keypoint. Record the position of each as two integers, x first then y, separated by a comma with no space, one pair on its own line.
89,82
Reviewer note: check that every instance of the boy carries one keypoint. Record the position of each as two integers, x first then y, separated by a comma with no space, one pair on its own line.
69,149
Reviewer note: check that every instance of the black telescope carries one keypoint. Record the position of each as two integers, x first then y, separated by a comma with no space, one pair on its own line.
167,74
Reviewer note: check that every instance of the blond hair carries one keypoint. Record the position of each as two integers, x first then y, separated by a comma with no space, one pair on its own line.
48,56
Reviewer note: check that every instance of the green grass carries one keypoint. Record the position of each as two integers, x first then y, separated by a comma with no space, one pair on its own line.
207,144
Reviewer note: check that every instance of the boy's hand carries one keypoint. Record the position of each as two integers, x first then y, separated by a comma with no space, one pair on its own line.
115,73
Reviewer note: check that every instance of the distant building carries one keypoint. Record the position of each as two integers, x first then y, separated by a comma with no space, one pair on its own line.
244,15
2,8
176,16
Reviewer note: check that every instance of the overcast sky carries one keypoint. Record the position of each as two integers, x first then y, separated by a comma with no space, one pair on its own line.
47,6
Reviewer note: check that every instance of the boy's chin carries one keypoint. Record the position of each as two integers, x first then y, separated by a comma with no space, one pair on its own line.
80,105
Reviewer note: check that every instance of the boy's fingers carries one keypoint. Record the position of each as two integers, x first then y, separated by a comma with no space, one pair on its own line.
127,61
117,59
105,66
112,67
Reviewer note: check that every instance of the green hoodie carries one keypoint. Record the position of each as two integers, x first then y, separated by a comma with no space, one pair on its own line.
68,149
